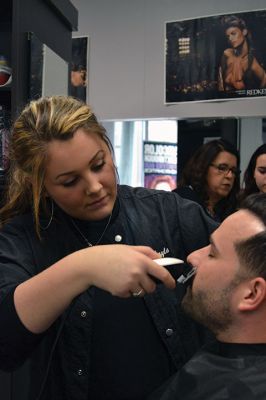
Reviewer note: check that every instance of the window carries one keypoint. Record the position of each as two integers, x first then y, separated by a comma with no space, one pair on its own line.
162,131
127,139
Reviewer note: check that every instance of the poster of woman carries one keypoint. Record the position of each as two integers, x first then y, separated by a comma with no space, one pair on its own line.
217,57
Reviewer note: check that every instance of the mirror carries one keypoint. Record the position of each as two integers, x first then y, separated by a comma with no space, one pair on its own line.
127,137
48,72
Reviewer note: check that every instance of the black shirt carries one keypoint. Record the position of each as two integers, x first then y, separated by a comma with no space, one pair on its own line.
117,363
60,358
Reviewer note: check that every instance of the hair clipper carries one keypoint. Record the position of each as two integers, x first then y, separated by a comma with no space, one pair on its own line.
182,272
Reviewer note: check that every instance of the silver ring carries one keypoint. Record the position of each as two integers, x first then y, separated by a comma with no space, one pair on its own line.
137,294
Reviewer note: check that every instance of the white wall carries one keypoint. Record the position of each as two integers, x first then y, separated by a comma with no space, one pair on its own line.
126,60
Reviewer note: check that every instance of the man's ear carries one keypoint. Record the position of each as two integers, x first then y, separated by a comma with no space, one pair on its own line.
254,293
245,32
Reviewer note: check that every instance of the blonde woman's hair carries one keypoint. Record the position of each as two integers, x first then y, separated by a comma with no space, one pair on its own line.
41,121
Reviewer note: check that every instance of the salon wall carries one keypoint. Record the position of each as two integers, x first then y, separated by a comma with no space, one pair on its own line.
126,60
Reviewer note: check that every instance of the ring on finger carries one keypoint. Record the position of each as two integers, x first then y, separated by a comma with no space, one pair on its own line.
137,293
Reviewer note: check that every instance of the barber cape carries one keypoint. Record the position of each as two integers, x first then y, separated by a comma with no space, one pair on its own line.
239,373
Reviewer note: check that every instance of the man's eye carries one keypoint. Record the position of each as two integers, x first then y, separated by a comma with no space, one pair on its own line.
210,255
262,170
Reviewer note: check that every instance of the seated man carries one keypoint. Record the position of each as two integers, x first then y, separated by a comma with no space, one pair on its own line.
228,295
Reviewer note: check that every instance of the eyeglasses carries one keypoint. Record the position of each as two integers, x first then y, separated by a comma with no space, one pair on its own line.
224,169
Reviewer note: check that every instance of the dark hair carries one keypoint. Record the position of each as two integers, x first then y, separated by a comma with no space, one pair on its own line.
252,251
250,185
196,170
229,21
256,203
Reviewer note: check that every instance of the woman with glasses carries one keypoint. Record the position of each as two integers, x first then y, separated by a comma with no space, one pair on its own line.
211,178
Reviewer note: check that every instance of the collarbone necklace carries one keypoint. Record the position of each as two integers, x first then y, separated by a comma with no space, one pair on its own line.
89,244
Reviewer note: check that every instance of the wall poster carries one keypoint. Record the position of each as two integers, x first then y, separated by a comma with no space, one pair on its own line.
160,165
216,58
79,68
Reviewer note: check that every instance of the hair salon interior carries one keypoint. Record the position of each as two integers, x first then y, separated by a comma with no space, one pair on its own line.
125,59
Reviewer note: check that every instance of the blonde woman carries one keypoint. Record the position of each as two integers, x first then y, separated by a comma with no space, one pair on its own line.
78,298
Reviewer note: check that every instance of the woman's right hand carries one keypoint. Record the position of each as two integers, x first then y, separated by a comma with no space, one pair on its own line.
123,270
118,269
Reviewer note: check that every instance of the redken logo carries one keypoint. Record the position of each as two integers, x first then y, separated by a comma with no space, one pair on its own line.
252,92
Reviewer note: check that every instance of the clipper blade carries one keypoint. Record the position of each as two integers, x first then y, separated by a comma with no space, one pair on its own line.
187,276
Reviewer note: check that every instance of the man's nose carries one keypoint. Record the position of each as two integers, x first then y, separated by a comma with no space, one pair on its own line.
192,258
195,257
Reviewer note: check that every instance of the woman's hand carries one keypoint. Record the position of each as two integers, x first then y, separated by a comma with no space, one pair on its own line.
123,270
119,269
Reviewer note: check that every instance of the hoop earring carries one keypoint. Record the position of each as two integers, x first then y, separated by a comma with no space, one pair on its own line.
51,217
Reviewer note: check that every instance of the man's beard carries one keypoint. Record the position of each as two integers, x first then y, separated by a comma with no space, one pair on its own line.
210,307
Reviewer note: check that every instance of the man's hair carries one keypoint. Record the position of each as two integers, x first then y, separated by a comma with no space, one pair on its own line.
252,251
